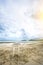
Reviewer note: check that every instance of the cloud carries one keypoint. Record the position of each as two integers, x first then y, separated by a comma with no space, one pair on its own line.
15,16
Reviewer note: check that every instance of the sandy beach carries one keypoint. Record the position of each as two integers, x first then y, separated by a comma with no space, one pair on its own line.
30,53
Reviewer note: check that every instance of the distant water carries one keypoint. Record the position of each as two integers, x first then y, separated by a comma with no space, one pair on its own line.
19,42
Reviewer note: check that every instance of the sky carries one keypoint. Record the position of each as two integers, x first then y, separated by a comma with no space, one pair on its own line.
21,19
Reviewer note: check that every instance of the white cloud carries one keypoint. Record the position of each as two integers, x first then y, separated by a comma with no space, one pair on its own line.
17,15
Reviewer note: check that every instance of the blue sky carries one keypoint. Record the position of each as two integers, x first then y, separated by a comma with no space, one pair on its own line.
16,22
